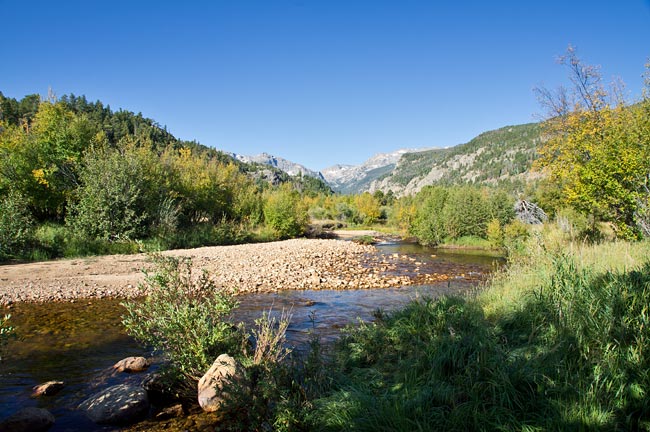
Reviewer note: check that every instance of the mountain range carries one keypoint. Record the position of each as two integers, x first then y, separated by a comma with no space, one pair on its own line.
285,165
501,156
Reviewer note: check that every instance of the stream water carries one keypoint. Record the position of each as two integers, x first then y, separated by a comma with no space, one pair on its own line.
79,342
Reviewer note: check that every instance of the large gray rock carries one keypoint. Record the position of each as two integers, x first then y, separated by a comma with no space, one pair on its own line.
29,419
118,405
215,390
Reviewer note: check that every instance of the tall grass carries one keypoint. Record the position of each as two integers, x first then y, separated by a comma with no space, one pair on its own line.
558,341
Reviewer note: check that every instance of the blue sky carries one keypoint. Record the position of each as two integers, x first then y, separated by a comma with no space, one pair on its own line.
318,82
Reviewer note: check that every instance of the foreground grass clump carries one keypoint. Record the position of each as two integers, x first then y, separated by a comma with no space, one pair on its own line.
560,341
435,365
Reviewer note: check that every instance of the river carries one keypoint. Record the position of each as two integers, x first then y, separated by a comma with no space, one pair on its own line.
79,342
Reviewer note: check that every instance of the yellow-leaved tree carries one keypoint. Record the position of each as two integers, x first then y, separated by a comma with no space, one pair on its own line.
598,151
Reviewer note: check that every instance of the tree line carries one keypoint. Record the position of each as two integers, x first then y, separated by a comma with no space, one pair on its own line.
95,178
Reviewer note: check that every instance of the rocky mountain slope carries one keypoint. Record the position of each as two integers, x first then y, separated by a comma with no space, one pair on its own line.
355,178
503,155
285,165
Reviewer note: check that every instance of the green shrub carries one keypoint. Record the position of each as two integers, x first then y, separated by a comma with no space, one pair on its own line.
466,213
344,211
112,197
184,317
450,213
495,234
16,226
50,240
429,223
515,235
166,219
365,240
285,213
318,213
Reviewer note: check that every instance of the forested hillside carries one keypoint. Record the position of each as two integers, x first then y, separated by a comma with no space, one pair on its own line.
75,174
503,156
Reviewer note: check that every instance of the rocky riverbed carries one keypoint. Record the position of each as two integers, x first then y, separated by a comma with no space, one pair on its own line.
264,267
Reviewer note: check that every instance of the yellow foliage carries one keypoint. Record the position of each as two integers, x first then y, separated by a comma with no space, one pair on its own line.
185,153
39,176
368,207
601,160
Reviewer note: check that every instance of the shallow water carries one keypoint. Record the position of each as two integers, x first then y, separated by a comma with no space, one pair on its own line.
79,342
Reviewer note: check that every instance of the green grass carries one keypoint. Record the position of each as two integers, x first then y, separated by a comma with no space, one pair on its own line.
558,341
470,242
58,241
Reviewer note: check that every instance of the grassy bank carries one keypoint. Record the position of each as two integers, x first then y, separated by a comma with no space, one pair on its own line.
559,341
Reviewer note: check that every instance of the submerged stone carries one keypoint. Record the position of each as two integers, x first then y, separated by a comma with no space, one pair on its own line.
29,419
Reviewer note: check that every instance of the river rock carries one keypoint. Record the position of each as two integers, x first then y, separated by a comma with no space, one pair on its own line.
29,419
47,389
215,387
117,405
132,364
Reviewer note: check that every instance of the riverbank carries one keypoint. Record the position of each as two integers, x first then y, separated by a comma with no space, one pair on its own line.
557,341
263,267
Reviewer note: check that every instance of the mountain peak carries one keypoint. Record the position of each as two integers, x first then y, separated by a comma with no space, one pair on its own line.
352,178
285,165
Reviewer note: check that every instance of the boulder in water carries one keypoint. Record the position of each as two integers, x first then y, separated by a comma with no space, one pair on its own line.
132,364
117,405
47,389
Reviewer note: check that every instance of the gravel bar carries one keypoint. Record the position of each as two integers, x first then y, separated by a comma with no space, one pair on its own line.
262,267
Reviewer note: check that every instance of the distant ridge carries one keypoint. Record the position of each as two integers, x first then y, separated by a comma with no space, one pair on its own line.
285,165
501,156
357,178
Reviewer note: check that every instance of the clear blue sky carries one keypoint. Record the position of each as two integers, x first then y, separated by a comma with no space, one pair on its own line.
318,81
